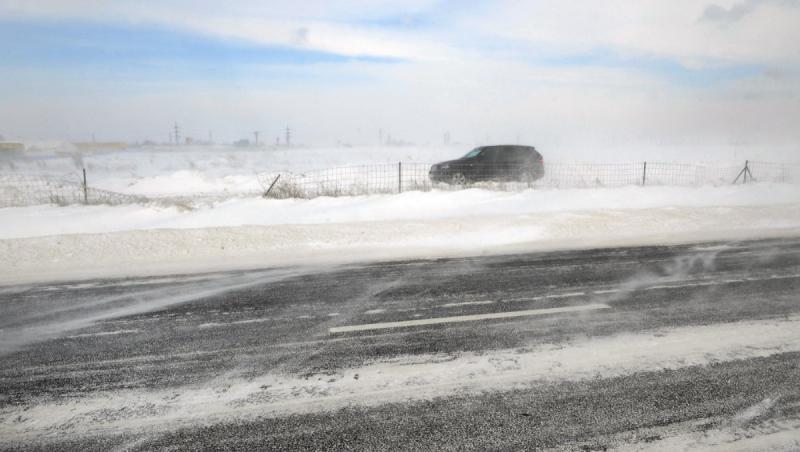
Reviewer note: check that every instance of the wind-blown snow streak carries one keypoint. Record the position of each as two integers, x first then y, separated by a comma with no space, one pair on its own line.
20,327
418,377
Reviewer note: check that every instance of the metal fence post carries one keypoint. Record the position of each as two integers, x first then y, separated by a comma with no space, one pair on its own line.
743,172
747,170
644,174
266,193
85,188
399,177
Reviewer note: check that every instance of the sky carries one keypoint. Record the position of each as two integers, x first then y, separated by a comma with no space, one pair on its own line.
550,73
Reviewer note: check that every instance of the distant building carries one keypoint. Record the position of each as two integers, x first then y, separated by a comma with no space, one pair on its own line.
100,146
12,147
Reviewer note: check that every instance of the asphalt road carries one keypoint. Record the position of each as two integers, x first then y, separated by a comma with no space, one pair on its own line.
653,347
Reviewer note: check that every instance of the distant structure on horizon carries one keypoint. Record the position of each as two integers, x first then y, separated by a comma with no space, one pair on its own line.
177,134
100,146
6,146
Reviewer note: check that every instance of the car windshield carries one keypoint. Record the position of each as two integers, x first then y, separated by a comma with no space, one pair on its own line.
473,153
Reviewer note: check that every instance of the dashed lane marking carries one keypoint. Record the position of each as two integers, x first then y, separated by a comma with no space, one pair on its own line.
103,333
567,295
466,303
466,318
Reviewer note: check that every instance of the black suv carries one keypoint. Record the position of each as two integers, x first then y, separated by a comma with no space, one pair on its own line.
491,163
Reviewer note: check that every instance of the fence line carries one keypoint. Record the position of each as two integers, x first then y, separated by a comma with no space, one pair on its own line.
25,190
403,176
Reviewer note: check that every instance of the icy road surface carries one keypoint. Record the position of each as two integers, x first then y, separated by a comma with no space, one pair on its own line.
692,346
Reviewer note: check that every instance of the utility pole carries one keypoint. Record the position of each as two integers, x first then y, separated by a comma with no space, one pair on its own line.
210,137
288,136
255,134
177,135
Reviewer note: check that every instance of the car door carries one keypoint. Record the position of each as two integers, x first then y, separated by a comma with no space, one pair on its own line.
507,163
487,165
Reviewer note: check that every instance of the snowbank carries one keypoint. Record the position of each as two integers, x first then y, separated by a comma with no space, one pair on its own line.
164,251
50,242
54,220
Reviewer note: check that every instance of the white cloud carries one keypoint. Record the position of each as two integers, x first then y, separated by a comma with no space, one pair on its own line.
691,31
764,33
314,24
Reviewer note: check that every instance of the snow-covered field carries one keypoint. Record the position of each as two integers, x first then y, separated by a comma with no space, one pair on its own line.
241,229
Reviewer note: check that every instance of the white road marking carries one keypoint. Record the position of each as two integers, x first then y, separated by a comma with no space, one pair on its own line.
465,318
680,286
512,300
375,311
606,291
237,322
784,276
560,295
466,303
103,333
718,282
258,320
567,295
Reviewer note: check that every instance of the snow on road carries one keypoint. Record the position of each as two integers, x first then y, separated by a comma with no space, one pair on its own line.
417,377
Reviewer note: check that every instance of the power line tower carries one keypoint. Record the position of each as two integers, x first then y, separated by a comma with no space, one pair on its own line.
255,135
177,134
288,136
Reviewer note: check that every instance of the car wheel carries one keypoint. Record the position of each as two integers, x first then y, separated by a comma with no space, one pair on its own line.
529,176
458,179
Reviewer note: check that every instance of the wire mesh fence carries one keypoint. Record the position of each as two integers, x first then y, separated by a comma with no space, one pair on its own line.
400,177
27,190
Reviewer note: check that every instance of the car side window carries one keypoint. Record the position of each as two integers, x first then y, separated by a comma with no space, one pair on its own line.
488,155
509,155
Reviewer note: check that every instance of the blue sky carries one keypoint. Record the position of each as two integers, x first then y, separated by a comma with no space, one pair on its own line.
392,56
149,54
153,53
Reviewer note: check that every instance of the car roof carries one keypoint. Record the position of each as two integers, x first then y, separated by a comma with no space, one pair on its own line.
509,147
